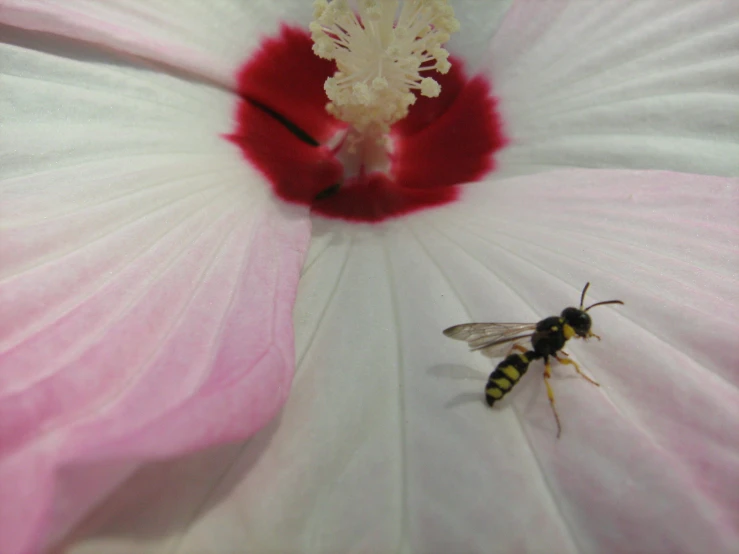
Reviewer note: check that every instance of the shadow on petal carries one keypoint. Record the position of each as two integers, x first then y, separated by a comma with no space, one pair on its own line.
455,371
161,499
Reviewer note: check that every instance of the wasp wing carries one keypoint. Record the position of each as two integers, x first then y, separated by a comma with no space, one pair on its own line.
490,338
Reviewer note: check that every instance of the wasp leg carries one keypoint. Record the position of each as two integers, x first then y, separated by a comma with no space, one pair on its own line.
591,334
567,361
550,394
514,348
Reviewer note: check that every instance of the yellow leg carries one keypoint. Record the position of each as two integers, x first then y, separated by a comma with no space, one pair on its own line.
567,361
591,334
514,348
550,394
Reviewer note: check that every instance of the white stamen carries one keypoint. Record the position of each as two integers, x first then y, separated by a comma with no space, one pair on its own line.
380,60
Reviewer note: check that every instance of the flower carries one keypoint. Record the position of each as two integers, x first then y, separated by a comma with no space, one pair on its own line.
134,236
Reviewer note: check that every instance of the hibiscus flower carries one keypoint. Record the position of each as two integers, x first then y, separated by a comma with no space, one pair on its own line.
152,273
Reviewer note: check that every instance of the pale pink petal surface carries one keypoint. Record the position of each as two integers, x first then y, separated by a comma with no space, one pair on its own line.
478,23
147,277
385,444
209,40
649,84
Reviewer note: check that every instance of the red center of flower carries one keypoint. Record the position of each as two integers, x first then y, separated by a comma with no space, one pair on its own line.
282,128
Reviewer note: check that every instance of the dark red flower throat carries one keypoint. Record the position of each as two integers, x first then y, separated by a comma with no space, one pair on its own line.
282,128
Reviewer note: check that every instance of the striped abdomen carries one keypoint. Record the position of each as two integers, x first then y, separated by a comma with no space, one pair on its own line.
506,374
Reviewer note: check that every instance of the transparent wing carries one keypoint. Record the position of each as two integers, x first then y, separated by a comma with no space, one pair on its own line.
490,338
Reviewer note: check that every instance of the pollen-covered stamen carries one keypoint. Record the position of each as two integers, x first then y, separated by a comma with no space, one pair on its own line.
380,60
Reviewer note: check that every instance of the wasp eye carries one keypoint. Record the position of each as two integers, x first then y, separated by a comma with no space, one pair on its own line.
578,320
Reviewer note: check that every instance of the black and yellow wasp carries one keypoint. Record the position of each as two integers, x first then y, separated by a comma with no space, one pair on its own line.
548,337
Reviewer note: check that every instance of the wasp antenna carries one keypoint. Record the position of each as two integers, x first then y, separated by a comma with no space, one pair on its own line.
603,303
582,295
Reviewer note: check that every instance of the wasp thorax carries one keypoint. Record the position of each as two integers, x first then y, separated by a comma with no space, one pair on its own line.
578,320
380,57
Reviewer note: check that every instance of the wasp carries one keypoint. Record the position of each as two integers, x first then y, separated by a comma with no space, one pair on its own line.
548,338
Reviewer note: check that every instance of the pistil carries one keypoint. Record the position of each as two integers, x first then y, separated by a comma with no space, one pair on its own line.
381,59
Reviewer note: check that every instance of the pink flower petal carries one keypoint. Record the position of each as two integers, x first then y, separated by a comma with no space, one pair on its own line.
646,84
209,40
386,440
478,22
147,278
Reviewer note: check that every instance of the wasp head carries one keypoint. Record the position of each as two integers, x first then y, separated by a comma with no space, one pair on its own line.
578,320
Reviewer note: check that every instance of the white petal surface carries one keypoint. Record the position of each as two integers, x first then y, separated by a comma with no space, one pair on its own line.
385,444
210,39
478,22
647,84
147,277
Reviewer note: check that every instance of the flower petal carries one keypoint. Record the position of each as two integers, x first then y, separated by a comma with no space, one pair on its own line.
147,278
385,443
209,40
652,84
477,24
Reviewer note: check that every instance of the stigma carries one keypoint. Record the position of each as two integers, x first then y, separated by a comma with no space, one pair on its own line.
383,53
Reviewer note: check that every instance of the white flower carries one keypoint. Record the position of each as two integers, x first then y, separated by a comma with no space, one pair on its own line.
147,277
